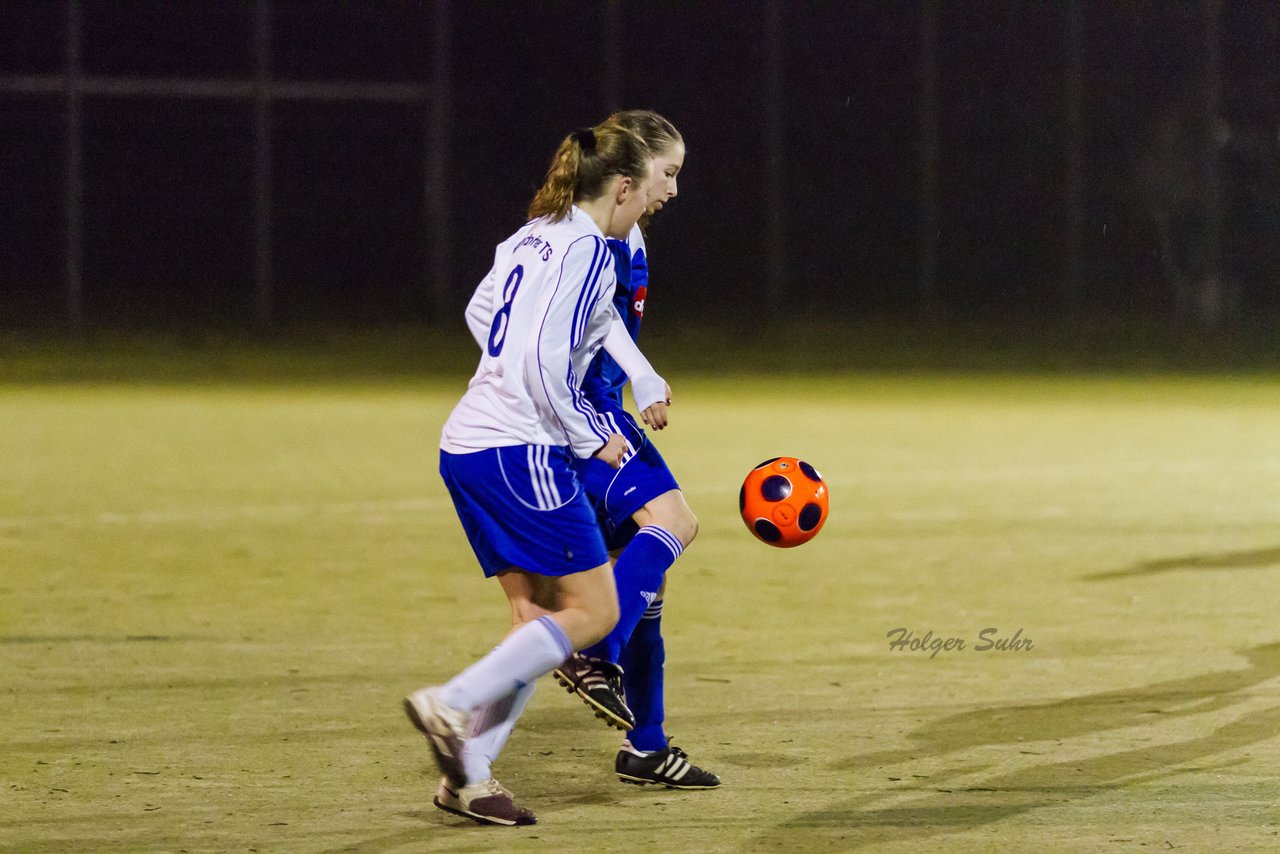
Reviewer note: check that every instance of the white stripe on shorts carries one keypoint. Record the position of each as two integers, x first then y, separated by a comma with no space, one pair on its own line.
552,489
537,477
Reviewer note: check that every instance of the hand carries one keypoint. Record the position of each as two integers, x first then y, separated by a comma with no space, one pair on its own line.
656,415
614,450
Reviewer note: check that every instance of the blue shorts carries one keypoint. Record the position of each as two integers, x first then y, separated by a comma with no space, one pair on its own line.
618,493
522,506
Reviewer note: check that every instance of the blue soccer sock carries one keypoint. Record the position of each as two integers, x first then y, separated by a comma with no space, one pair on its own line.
638,576
644,664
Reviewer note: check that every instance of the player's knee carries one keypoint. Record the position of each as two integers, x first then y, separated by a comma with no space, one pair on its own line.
677,519
684,526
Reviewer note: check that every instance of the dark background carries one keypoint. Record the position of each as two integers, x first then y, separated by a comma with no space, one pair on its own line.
169,182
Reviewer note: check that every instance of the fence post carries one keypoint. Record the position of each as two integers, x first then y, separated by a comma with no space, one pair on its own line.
1071,295
263,203
927,120
1214,298
774,117
611,82
436,168
73,180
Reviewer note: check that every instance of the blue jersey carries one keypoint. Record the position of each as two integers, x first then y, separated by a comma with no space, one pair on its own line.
619,493
604,378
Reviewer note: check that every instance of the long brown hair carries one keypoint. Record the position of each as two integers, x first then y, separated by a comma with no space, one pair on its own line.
584,163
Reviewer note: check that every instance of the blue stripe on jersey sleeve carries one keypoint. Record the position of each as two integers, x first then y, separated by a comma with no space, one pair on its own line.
586,297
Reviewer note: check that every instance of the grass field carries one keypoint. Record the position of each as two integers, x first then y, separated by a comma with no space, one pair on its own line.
214,594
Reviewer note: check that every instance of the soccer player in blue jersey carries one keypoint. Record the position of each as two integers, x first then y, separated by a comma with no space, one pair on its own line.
507,451
646,521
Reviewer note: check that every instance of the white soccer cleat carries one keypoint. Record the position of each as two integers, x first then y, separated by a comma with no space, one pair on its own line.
489,802
445,729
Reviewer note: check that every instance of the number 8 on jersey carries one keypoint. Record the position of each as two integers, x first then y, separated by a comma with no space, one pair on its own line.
498,332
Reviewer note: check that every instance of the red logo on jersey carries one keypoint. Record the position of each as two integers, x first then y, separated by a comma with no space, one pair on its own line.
637,301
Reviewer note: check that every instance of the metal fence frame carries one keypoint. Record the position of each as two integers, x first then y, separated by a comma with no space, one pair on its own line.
262,91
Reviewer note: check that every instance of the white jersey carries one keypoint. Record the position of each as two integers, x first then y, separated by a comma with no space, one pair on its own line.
540,315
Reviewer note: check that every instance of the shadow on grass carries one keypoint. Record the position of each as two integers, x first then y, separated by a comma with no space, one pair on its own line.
398,841
940,809
1254,559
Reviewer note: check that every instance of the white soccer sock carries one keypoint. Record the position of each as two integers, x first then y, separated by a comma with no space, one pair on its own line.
530,651
491,726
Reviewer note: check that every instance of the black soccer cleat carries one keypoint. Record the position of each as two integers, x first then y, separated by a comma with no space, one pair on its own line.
668,767
599,684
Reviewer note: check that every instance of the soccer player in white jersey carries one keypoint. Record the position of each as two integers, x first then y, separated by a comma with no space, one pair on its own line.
506,455
646,521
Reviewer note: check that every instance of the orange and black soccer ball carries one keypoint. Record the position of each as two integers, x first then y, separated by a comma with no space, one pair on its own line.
784,502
